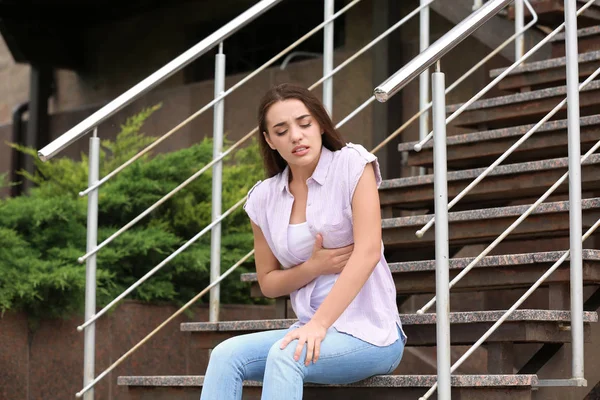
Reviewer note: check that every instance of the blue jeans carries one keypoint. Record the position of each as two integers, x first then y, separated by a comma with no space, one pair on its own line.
257,356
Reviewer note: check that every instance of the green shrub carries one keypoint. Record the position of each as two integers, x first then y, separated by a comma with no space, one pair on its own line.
43,232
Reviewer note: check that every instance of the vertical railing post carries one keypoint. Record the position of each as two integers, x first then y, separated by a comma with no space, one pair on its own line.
442,291
89,338
575,223
424,77
519,25
217,185
328,57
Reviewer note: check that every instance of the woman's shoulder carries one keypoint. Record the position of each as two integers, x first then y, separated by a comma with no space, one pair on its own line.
352,151
262,188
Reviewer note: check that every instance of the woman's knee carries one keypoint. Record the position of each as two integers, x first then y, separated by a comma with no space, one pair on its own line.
225,352
285,357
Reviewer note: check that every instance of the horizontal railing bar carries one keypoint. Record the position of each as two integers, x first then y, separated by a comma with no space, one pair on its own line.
355,112
461,79
512,309
219,98
171,318
160,265
436,50
165,198
57,145
508,152
514,65
512,227
391,29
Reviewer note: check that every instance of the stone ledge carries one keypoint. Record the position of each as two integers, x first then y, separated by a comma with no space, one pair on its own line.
583,32
502,133
407,319
521,97
490,213
519,168
546,64
376,381
486,262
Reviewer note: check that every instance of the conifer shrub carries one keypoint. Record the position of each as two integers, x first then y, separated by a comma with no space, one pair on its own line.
43,232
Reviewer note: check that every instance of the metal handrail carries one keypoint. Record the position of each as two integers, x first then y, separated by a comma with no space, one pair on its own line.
507,71
219,98
243,139
154,79
507,314
533,206
434,52
450,88
485,173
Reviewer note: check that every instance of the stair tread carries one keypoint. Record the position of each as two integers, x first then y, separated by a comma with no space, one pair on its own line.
519,168
375,381
489,213
583,32
486,262
546,64
501,133
407,319
521,97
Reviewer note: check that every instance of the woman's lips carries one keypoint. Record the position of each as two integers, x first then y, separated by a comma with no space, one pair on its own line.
300,151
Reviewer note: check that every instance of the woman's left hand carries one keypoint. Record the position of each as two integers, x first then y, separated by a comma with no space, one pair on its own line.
312,334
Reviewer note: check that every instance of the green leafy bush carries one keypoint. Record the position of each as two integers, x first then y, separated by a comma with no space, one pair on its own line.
44,232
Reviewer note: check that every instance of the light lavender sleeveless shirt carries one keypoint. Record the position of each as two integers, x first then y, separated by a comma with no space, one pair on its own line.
373,314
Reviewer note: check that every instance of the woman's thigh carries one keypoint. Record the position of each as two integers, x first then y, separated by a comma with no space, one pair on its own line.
248,352
346,359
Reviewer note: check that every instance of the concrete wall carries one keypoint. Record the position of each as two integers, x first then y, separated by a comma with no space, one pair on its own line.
47,362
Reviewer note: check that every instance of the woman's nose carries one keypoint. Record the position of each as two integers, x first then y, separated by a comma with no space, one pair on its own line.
295,134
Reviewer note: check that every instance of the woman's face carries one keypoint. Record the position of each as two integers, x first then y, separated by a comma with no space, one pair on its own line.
293,132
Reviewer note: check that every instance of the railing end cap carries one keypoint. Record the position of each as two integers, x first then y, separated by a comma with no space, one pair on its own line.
380,95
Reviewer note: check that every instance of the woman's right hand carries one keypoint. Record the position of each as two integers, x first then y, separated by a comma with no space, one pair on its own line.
329,261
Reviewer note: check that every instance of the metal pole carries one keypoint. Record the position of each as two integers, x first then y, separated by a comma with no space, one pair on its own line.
328,57
441,235
89,338
424,77
575,224
519,25
217,185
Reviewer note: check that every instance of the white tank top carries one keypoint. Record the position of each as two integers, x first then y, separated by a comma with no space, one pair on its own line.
300,243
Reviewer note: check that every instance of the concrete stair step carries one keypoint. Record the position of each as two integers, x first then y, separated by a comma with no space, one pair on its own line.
523,108
547,73
552,13
504,183
588,40
382,387
485,225
523,326
480,149
491,273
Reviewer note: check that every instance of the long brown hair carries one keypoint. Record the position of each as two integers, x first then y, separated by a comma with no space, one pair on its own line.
332,139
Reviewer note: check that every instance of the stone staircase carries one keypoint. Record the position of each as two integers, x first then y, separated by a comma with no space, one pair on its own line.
531,336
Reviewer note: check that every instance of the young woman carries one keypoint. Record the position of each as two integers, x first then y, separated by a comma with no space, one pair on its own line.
317,237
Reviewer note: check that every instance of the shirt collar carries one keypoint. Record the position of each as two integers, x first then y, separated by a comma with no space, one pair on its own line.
319,174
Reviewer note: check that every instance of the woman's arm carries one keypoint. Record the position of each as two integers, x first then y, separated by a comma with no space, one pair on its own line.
276,282
366,217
